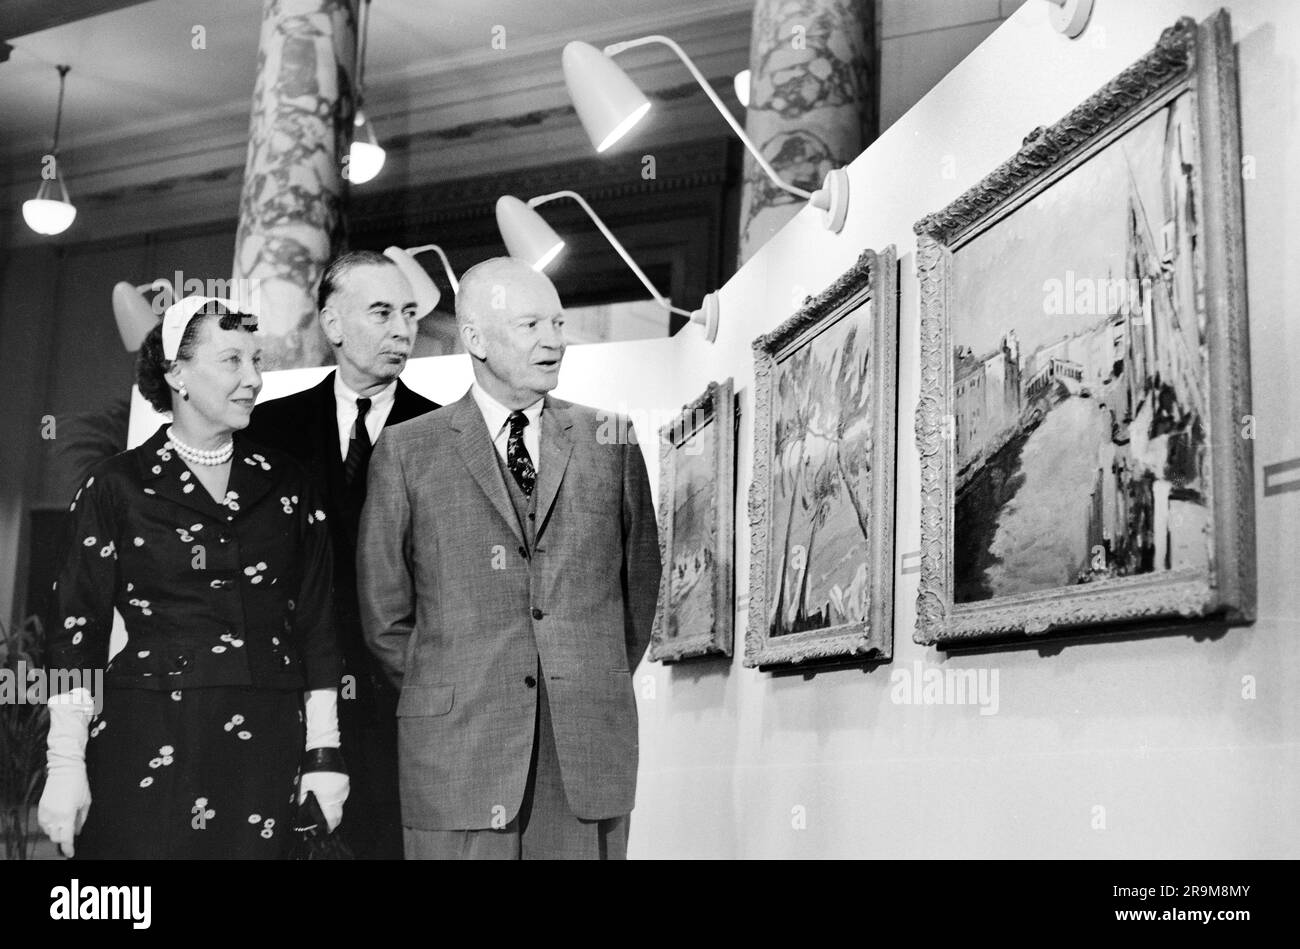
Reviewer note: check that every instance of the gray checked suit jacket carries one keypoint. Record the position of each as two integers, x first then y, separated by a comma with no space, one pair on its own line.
459,607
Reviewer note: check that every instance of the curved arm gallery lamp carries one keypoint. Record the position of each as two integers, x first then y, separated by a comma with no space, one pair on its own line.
134,314
609,104
1070,16
530,238
427,293
446,264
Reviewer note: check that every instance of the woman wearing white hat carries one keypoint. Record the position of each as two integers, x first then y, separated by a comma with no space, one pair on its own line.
214,551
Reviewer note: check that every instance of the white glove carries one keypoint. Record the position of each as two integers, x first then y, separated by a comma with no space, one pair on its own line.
331,787
66,799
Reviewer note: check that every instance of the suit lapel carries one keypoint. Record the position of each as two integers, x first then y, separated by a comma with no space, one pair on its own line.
326,427
404,407
475,447
556,447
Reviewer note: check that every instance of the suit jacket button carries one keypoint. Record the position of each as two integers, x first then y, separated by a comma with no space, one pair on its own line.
530,681
523,552
537,614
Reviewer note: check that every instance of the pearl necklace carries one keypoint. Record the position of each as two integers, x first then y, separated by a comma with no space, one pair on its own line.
198,456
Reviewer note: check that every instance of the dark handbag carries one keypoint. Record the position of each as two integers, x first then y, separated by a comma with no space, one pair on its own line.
312,839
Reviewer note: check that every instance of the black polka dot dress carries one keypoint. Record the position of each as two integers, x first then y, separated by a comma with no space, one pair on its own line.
198,732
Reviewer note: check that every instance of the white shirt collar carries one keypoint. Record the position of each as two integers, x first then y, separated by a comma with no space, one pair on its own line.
495,414
345,411
380,399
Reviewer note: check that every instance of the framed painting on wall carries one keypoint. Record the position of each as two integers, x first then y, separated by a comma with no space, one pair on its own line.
1085,370
697,491
821,508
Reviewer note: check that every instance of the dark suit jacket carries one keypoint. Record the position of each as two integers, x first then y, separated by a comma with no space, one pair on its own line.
305,425
460,609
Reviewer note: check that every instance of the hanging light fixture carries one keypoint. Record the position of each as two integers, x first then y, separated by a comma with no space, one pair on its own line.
531,239
609,104
51,211
365,156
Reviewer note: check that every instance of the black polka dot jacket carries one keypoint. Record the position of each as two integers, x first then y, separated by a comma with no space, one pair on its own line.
234,592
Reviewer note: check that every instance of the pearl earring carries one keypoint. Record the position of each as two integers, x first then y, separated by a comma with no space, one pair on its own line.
185,393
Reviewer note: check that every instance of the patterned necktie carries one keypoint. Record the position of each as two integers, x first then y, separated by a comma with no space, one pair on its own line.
517,460
358,444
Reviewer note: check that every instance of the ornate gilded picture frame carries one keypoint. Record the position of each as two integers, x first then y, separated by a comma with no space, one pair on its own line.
697,528
821,506
1085,373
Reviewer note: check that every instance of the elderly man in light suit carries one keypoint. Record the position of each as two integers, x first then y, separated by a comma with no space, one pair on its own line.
508,570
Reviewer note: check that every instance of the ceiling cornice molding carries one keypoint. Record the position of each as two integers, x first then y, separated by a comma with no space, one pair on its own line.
699,29
451,93
507,124
224,159
715,41
695,164
205,187
20,18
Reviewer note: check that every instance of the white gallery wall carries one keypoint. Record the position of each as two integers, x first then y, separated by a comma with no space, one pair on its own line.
1154,732
1145,747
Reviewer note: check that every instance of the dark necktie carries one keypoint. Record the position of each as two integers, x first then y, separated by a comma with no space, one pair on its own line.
359,444
517,460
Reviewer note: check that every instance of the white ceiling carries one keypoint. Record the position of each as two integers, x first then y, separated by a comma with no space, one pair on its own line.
134,71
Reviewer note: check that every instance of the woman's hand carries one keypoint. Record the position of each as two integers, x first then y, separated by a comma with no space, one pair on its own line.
331,789
324,772
65,802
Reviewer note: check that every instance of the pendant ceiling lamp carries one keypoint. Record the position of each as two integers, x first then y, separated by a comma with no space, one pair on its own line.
365,156
51,211
531,239
609,104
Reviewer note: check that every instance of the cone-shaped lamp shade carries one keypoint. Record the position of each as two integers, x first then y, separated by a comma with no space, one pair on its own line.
526,235
606,100
742,83
134,316
365,157
427,293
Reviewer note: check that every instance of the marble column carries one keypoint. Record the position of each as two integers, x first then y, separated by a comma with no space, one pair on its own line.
291,209
813,102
